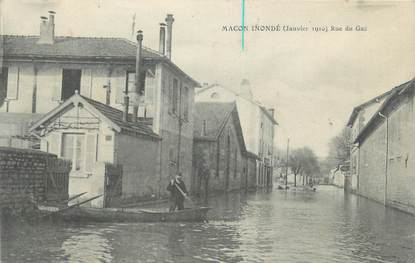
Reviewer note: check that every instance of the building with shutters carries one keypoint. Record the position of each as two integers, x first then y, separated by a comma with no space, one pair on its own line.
257,122
39,73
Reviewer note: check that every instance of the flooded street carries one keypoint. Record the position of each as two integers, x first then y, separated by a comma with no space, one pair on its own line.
322,226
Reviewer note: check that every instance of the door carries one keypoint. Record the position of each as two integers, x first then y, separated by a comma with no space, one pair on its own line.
71,81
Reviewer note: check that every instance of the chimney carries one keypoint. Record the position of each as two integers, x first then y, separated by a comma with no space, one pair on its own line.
271,111
169,22
47,29
138,59
162,45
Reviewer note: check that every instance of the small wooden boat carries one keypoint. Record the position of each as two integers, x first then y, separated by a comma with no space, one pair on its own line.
87,214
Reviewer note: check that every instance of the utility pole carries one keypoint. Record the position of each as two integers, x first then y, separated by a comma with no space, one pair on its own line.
286,164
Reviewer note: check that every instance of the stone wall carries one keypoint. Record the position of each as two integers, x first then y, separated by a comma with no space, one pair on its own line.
30,176
397,183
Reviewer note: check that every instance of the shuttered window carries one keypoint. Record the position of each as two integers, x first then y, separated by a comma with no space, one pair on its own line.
175,97
119,86
13,83
57,86
149,88
86,83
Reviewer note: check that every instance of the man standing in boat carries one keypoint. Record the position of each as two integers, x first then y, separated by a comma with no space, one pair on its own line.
178,192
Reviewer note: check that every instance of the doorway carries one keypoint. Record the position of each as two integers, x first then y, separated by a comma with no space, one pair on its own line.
71,81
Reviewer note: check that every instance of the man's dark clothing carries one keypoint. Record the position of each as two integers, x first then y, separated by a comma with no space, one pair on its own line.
177,198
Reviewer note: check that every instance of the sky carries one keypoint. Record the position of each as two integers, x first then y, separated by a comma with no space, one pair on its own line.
312,79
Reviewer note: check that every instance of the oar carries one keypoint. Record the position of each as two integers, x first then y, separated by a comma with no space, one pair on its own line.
74,205
75,196
185,195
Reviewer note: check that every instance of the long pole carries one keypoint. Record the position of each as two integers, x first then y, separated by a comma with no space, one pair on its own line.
286,164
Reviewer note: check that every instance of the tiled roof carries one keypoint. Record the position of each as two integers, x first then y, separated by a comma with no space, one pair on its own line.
116,116
213,114
80,48
357,109
113,116
74,47
216,115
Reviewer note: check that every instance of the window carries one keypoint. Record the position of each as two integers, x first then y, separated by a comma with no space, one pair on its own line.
131,82
71,82
3,85
185,99
175,97
80,149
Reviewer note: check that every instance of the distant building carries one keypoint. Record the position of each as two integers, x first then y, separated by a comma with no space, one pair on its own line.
39,73
386,149
221,161
257,124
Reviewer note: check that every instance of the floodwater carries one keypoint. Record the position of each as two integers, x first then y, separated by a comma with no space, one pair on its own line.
279,226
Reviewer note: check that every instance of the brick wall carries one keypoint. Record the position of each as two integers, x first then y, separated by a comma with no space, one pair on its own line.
26,175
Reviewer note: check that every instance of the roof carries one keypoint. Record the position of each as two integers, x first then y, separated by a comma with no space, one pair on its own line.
81,48
216,115
263,109
112,116
74,47
384,109
357,109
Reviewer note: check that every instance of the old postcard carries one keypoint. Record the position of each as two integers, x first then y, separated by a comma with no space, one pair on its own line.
207,131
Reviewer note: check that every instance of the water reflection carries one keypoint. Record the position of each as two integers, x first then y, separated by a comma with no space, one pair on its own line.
86,246
282,226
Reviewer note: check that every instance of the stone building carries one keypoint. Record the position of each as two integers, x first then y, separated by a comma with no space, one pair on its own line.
257,122
41,72
357,121
386,149
221,161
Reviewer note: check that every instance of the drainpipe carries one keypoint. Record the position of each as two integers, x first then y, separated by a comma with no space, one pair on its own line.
386,158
